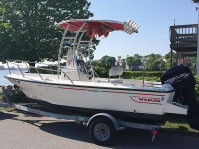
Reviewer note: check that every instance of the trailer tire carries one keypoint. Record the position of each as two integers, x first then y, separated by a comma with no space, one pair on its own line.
102,131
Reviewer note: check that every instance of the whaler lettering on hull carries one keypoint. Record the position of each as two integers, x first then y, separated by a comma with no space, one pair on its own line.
147,100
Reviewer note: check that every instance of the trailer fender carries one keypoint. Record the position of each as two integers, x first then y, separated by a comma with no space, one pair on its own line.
110,117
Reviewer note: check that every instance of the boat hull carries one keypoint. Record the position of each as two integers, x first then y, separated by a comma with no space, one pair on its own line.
120,102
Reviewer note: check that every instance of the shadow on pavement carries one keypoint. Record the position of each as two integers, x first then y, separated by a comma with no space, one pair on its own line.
69,130
125,139
4,116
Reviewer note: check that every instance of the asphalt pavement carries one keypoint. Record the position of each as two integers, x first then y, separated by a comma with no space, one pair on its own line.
24,131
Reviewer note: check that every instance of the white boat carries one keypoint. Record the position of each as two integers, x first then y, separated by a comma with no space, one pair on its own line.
77,88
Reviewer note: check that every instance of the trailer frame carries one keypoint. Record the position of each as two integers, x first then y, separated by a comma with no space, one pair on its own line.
102,118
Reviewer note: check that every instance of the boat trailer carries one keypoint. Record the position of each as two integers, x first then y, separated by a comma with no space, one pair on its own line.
102,126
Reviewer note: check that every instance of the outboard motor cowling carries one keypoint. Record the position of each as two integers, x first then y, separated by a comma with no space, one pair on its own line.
182,80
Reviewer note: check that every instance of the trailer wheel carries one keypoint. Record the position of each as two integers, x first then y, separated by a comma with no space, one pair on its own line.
102,131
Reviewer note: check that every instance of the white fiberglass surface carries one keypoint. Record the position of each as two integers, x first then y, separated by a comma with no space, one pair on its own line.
49,78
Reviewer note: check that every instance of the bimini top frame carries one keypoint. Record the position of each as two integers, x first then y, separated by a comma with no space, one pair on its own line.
92,28
105,25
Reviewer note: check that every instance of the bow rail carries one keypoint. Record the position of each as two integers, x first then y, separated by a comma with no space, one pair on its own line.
20,66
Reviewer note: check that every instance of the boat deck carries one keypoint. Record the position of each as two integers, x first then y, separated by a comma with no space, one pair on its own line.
99,82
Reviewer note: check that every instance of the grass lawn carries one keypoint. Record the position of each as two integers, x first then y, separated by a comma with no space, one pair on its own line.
12,109
179,124
1,97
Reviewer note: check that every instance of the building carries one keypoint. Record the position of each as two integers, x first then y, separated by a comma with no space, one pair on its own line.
121,63
183,40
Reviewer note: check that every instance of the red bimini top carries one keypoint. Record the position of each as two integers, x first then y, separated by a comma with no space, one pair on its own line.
97,27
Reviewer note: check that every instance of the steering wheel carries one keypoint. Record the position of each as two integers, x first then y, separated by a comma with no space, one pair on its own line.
83,68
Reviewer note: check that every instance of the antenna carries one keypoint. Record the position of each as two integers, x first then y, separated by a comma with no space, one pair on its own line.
174,21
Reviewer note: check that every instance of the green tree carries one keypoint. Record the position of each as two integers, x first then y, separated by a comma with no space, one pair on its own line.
174,63
168,55
156,65
136,62
193,61
102,70
110,61
94,63
137,56
28,27
158,56
129,61
153,64
119,58
152,55
102,60
149,63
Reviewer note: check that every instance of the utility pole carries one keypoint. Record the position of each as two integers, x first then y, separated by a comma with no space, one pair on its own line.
171,52
197,65
174,24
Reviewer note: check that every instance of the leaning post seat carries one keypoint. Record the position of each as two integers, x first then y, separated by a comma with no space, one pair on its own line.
115,71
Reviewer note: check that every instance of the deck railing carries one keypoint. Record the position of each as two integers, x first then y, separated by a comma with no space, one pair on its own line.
18,63
183,34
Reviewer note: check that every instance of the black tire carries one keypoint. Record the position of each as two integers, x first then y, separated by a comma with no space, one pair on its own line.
102,131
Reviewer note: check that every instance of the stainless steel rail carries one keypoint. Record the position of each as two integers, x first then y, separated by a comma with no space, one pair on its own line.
16,62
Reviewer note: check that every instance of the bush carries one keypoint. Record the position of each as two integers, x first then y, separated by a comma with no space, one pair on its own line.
16,96
1,96
197,87
19,97
102,70
135,74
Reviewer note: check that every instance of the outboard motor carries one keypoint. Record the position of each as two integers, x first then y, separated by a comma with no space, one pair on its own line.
183,82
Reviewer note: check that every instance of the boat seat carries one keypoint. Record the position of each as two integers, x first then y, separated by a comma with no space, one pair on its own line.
115,71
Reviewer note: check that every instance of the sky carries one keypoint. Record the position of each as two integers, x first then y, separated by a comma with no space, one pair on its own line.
154,17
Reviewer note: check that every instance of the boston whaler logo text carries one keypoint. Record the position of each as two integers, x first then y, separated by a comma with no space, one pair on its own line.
171,80
148,100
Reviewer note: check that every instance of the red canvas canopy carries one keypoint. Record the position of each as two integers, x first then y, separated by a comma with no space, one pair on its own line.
92,27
